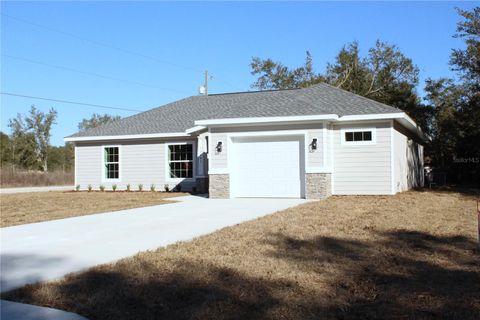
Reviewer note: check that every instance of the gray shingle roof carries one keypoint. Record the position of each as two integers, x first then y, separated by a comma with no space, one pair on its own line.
181,115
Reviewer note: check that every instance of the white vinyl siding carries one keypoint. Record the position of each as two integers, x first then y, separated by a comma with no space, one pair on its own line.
141,162
408,160
315,157
88,166
218,160
362,169
400,162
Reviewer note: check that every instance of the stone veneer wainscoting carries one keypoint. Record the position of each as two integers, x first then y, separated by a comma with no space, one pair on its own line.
318,185
219,186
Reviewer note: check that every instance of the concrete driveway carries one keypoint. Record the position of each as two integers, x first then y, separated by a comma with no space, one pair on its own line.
48,250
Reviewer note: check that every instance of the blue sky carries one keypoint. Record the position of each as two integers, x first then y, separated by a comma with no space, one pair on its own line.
176,41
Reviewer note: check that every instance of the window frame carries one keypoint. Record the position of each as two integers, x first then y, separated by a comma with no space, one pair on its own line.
167,162
104,177
344,142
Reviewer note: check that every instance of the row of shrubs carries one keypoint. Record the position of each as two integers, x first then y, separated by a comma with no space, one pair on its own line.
140,187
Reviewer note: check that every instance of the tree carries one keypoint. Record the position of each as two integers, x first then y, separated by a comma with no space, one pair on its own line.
33,132
23,147
61,158
467,61
274,75
456,121
385,75
96,120
445,97
5,149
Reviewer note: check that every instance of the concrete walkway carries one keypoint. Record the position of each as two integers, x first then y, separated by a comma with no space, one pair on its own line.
35,189
16,311
48,250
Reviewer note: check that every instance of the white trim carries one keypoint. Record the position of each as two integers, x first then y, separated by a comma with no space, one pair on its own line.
343,142
231,164
267,133
376,116
254,120
332,157
127,137
306,164
392,158
201,155
324,143
318,170
75,164
218,171
102,153
195,129
167,167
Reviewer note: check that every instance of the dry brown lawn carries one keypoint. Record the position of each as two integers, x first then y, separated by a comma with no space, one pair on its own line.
21,208
409,256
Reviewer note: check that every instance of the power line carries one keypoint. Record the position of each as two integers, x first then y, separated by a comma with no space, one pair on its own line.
214,76
102,44
68,101
88,73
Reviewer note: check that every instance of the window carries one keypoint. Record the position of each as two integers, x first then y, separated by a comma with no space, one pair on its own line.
358,136
180,161
112,162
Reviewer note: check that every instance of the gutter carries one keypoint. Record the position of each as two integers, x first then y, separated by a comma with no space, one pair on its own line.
128,137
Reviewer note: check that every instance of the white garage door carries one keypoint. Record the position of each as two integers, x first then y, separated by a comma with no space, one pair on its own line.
267,167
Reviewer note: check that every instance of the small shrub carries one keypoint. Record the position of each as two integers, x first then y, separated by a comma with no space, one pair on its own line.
166,187
114,187
128,187
152,187
140,187
89,187
102,187
77,187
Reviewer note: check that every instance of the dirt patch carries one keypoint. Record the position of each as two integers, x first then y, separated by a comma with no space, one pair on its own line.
22,208
409,256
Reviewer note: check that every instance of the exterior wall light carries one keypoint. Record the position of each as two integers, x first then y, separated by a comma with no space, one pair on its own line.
219,146
314,144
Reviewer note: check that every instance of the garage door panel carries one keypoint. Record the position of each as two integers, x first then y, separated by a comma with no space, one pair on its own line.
267,168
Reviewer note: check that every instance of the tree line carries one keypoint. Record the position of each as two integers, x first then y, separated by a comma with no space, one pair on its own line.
28,146
449,113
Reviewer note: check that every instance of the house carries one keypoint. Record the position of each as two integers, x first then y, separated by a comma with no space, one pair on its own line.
302,143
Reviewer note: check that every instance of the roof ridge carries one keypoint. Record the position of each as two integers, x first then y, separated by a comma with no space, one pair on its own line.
256,91
353,94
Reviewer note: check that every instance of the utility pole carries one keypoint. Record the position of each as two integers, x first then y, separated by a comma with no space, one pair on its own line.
206,82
